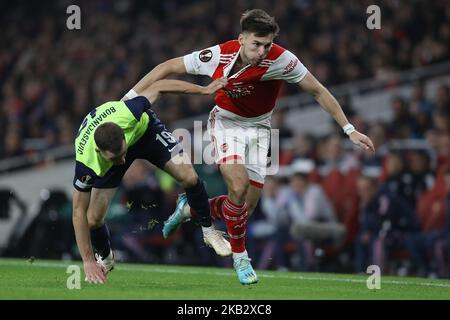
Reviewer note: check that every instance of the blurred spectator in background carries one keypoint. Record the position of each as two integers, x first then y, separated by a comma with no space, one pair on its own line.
442,98
432,139
386,224
428,247
422,176
302,146
307,208
397,178
403,123
278,122
421,109
12,143
408,181
443,151
419,103
333,156
441,120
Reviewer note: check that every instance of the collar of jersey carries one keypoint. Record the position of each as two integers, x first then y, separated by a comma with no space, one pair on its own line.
228,68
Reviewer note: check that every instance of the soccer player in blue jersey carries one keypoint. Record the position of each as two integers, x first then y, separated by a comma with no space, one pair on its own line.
110,138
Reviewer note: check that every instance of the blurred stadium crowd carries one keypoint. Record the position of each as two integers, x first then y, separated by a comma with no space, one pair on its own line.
50,77
332,209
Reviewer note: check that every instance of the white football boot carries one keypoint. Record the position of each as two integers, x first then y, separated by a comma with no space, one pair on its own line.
108,262
214,238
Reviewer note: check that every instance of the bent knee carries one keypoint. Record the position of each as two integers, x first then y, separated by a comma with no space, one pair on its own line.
189,180
95,221
239,188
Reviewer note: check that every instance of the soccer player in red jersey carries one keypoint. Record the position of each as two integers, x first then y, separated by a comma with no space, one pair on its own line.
239,123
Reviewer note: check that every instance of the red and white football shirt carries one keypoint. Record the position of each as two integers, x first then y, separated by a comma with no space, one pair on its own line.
240,123
253,90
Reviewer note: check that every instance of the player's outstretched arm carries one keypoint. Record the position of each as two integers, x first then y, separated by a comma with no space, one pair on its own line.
310,84
178,86
94,272
161,71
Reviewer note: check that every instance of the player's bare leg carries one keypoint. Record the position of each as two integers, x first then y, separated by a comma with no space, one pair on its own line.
100,236
181,169
253,195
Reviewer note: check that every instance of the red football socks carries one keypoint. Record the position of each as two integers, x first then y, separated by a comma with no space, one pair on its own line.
235,217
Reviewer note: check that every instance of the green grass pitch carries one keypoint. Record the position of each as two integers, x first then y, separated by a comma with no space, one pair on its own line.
45,279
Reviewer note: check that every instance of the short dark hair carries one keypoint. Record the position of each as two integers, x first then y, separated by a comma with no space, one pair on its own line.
259,22
108,137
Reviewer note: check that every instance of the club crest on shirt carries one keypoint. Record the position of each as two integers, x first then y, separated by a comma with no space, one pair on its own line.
205,55
224,147
85,179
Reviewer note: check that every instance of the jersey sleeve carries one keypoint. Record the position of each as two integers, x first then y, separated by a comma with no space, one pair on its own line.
287,67
202,62
138,106
84,177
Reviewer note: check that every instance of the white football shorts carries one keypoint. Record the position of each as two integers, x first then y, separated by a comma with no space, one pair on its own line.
235,137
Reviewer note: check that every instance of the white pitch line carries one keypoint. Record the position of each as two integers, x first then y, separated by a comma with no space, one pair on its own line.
231,274
262,275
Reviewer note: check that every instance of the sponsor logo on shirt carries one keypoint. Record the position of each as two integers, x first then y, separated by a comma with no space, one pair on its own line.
205,55
291,66
239,92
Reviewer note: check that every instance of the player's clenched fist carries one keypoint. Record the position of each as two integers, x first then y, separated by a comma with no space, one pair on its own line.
216,85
